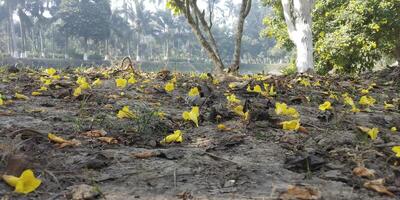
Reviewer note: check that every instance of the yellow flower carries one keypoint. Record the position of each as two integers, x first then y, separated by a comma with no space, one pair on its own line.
396,149
283,109
97,82
126,113
174,137
77,91
393,129
372,132
215,81
1,101
367,101
304,82
239,111
292,125
193,115
325,106
169,87
221,127
257,89
333,96
50,71
42,88
132,80
364,91
355,109
232,99
349,101
106,75
56,77
232,85
24,184
21,96
388,106
35,93
194,92
203,76
317,83
272,92
121,82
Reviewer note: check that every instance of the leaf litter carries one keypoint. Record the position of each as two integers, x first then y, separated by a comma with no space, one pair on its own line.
168,135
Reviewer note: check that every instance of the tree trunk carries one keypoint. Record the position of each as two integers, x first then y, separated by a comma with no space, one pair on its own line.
298,19
138,47
107,56
66,47
41,43
244,11
22,32
13,45
397,53
85,48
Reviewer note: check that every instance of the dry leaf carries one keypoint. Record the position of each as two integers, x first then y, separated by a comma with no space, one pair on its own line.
377,185
146,154
109,140
95,133
364,172
62,142
300,192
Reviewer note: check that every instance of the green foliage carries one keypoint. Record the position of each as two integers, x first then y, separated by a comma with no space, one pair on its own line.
85,18
290,69
349,35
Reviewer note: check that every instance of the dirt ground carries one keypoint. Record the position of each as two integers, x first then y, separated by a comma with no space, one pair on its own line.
248,159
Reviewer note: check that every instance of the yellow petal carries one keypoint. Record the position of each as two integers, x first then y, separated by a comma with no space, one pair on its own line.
10,180
169,87
50,71
292,125
185,115
35,93
325,106
21,96
194,92
56,139
257,89
393,129
396,149
174,137
77,91
121,82
27,182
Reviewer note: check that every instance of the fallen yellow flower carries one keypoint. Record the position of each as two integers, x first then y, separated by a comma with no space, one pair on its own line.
193,115
174,137
388,106
50,71
239,110
121,82
35,93
272,91
82,83
42,88
97,82
393,129
77,91
21,96
372,132
367,101
125,113
232,99
364,91
169,87
283,109
24,184
396,149
325,106
194,92
292,125
203,76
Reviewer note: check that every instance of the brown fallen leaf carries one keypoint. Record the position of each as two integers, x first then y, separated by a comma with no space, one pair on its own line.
300,192
61,142
146,154
364,172
109,140
377,185
303,130
95,133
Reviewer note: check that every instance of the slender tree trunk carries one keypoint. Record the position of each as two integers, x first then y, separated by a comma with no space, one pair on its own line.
13,44
397,53
138,58
107,56
298,19
85,48
244,11
42,54
66,56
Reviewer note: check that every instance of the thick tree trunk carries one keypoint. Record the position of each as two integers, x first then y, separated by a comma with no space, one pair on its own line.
244,11
298,19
